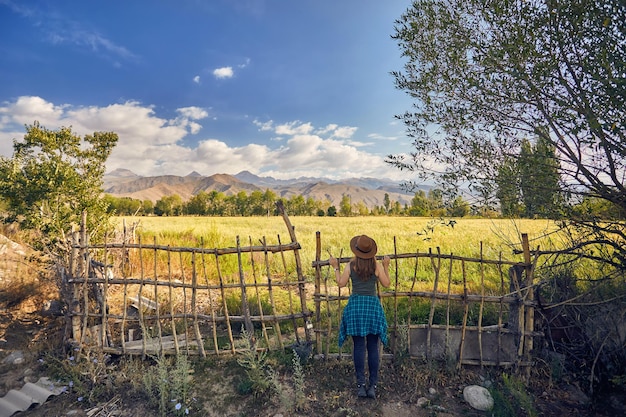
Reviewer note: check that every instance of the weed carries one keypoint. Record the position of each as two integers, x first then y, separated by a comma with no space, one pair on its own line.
259,373
263,380
286,401
167,385
402,341
511,396
298,382
89,377
347,412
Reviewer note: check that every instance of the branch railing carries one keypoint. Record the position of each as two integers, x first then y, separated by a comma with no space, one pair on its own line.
151,299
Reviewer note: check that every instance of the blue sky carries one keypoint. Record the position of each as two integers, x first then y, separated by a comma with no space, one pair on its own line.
281,88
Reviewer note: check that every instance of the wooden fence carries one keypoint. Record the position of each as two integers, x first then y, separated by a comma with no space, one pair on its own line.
147,299
150,299
445,309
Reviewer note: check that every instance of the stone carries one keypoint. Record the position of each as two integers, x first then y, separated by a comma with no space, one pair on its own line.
479,398
423,402
15,358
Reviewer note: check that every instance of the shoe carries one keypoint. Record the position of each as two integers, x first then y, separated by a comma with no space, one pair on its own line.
371,391
361,392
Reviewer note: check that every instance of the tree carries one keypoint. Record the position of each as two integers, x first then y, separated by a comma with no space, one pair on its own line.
387,203
52,178
487,75
539,179
529,184
171,205
147,207
435,202
296,205
458,208
419,204
198,204
269,201
240,201
311,206
361,208
255,203
345,206
217,203
124,206
508,189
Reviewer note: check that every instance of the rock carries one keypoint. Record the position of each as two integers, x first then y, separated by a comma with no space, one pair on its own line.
15,358
432,391
423,402
479,398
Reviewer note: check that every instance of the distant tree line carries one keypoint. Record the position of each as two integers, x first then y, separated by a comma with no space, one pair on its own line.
259,203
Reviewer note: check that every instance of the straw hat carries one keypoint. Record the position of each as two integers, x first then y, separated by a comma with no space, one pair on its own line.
363,246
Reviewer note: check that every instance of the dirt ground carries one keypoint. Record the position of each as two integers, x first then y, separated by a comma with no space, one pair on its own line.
406,387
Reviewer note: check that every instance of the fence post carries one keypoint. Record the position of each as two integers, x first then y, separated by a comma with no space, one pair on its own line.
74,271
83,262
529,316
302,290
318,288
516,309
245,307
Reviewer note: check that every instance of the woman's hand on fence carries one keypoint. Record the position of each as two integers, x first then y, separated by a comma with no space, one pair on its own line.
333,262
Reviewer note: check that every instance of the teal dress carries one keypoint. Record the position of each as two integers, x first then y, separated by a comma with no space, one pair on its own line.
363,314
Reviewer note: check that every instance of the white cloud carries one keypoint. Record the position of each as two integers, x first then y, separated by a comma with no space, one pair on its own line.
344,132
196,79
378,136
27,109
328,128
193,112
264,126
294,128
245,64
224,72
152,145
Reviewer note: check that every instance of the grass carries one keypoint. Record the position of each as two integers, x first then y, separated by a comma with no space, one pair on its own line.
393,234
471,238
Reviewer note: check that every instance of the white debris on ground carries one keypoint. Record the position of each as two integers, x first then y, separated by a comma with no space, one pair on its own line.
31,393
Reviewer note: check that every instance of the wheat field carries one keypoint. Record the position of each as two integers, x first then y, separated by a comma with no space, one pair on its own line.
464,236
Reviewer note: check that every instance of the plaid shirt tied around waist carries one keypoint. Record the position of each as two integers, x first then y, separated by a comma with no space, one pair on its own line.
363,315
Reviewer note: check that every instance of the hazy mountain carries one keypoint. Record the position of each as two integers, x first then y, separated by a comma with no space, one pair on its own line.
122,173
371,191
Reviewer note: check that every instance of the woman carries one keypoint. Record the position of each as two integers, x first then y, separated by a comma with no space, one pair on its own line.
364,318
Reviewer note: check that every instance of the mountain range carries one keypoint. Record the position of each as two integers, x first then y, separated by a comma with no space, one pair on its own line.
371,191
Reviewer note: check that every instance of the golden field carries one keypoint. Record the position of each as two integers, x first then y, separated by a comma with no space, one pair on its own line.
498,237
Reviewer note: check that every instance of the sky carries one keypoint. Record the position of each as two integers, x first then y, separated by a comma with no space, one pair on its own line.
280,88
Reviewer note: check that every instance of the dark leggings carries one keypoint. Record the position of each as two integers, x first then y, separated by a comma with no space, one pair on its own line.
373,359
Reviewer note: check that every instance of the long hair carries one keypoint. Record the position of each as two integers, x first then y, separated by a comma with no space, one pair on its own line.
364,268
